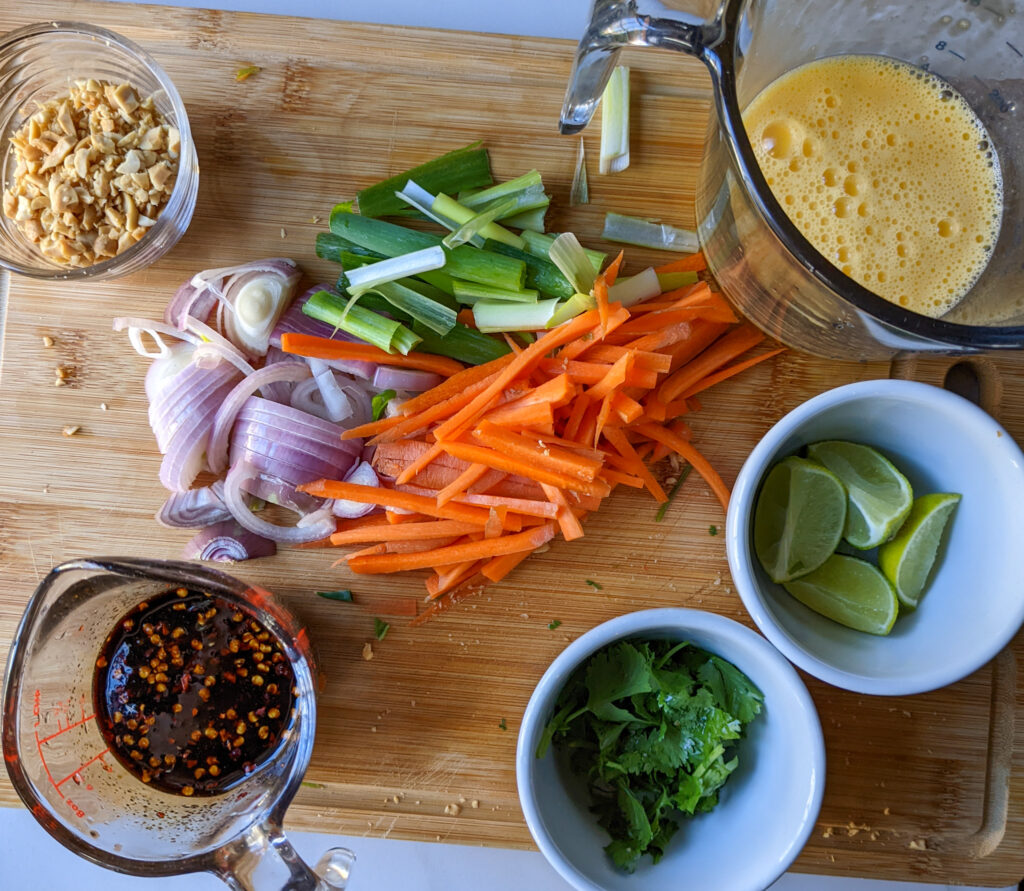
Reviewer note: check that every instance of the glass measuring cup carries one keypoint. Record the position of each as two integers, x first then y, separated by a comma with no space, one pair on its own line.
763,263
60,765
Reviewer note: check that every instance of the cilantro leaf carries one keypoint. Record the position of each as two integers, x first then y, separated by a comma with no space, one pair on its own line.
553,624
380,628
653,727
380,402
344,595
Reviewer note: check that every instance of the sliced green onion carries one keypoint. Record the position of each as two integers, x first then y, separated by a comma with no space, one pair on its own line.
464,262
539,244
449,207
567,254
387,334
541,273
569,309
367,278
642,286
420,199
465,168
475,225
669,281
615,122
528,220
330,247
580,191
478,198
438,318
494,316
463,343
684,472
643,233
470,293
435,284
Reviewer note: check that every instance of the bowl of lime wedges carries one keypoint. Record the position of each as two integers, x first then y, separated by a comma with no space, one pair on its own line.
874,536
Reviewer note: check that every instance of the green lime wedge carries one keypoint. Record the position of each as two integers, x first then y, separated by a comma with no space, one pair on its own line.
798,519
879,495
849,591
908,559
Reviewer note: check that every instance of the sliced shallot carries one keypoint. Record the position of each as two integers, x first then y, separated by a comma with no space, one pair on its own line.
228,542
312,527
195,508
364,475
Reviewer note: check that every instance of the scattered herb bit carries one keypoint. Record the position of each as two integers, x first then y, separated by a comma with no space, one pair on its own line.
502,725
683,474
311,785
344,595
380,628
553,624
380,402
594,585
651,725
247,72
712,530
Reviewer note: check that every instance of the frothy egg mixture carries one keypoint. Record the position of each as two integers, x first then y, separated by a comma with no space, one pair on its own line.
886,171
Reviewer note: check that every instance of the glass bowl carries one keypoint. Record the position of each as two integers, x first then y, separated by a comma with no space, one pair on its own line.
41,62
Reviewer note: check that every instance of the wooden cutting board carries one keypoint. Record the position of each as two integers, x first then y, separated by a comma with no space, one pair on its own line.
923,787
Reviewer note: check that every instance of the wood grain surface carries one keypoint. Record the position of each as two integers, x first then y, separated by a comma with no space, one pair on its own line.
929,787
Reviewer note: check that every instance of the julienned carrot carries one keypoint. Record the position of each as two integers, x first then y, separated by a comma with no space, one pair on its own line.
733,344
529,540
628,409
686,451
555,393
692,263
512,464
567,522
432,452
702,335
592,372
403,532
457,486
314,347
372,428
544,453
410,425
495,521
498,567
618,478
487,482
393,498
606,352
425,544
457,383
522,415
444,582
528,507
620,442
727,372
614,378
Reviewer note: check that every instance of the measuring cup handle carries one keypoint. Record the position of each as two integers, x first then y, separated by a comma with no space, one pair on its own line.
264,860
615,24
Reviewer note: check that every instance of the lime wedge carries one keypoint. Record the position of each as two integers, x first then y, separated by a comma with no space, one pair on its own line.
849,591
799,518
879,495
907,560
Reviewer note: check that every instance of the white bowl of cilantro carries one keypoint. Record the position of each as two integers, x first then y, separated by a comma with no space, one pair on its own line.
972,601
689,737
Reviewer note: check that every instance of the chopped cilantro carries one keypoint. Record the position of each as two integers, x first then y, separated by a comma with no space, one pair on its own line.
247,72
502,725
344,595
380,628
380,402
683,474
553,624
712,530
310,785
652,726
593,584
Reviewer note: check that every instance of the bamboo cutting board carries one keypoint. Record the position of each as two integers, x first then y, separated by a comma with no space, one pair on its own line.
928,787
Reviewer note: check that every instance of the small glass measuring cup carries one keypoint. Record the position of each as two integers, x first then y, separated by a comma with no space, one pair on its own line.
61,767
761,260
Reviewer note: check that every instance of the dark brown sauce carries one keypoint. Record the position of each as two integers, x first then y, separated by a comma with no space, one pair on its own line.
192,692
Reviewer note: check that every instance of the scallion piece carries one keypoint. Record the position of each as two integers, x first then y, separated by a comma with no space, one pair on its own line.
493,316
643,233
528,220
470,293
420,199
449,207
569,309
368,277
435,284
463,343
669,281
539,244
479,198
641,286
475,225
615,122
331,247
567,254
580,191
464,168
438,318
387,334
541,273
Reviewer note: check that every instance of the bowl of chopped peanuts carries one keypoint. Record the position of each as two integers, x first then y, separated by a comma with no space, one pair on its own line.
99,174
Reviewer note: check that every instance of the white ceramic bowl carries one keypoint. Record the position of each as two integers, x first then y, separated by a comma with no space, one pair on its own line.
766,810
975,602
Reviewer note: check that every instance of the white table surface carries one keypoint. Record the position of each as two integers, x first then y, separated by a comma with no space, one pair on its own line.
31,861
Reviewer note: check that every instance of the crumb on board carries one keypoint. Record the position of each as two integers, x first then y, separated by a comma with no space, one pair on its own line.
70,430
47,341
918,844
284,232
453,809
103,406
886,812
367,651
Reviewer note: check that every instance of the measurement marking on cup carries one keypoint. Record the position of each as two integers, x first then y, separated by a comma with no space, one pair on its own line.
83,767
66,729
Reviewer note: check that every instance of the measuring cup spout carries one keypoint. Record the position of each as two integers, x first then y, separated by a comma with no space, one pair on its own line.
613,25
264,860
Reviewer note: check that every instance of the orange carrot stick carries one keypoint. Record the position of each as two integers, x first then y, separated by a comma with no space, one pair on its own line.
522,414
314,347
692,263
614,378
512,464
372,428
394,498
606,352
567,522
443,582
592,372
685,450
411,424
727,372
459,485
403,532
457,383
529,540
498,567
620,442
528,507
733,344
542,453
